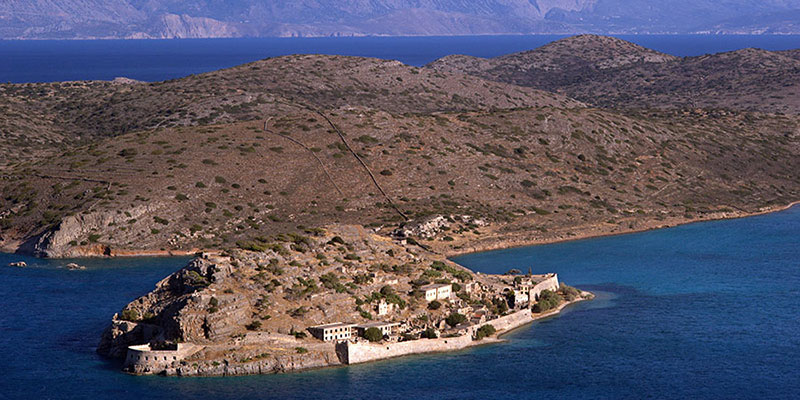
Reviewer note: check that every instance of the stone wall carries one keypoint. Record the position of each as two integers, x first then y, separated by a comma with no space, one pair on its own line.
354,353
551,283
509,321
144,360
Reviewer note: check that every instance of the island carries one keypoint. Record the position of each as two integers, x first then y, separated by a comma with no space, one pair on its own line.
334,296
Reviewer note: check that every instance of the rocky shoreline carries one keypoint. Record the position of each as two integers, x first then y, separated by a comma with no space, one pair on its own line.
494,240
514,239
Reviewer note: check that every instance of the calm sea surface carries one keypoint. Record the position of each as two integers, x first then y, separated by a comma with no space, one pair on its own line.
702,311
155,60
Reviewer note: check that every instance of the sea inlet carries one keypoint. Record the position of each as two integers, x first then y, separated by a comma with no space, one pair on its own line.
707,310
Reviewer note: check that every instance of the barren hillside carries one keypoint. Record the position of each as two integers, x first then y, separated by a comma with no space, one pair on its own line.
37,116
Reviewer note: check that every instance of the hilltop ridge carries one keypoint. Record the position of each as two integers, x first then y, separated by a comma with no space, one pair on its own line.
613,73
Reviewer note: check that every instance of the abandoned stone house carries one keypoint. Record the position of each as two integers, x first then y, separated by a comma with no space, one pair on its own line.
472,288
384,308
440,291
333,332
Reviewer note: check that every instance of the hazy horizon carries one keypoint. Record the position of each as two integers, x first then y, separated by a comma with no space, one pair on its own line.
95,19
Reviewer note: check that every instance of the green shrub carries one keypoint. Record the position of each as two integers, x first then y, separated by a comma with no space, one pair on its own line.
455,319
547,301
569,292
301,350
387,290
130,314
253,326
484,331
373,334
429,333
127,153
336,240
434,305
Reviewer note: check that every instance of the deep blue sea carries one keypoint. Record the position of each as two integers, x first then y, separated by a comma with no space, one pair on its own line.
702,311
155,60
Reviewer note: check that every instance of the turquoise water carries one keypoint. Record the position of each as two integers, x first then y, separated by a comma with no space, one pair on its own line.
708,310
155,60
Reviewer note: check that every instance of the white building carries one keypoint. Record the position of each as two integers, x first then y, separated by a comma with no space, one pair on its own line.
440,291
521,297
333,332
384,308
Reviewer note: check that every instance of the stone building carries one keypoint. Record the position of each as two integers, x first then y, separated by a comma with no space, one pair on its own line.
143,359
440,291
333,332
384,308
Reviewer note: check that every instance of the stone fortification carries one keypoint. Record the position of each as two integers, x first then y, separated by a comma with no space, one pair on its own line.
509,321
144,360
355,353
551,283
360,352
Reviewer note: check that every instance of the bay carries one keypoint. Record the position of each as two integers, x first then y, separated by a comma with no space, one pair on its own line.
707,310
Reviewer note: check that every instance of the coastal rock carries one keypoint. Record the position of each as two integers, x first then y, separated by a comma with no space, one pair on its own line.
19,264
74,267
121,334
59,242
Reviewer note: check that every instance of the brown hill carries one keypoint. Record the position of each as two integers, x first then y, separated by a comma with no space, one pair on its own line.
550,172
304,141
613,73
36,116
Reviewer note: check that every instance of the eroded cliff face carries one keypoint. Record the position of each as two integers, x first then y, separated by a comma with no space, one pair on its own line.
72,237
173,311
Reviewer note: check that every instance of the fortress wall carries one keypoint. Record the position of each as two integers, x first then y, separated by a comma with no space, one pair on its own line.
509,321
143,360
364,352
550,283
354,353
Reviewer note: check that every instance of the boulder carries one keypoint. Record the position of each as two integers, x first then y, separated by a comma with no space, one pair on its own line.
20,264
74,267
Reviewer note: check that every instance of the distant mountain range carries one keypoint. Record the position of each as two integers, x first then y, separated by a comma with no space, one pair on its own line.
73,19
